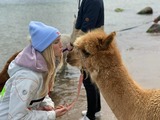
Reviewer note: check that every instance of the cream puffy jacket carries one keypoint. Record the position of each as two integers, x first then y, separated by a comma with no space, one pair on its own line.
20,100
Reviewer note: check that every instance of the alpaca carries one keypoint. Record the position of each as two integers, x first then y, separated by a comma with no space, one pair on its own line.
97,53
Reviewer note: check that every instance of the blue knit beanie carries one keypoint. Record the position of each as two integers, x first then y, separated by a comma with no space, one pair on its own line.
42,35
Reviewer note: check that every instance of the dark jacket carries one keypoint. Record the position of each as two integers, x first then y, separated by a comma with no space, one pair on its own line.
90,15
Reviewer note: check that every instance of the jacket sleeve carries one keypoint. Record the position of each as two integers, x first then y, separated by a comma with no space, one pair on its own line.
47,102
91,13
22,92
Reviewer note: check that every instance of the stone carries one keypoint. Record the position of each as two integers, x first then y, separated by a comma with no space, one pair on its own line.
146,10
155,28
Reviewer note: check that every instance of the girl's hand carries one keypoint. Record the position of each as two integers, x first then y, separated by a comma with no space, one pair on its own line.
60,110
46,108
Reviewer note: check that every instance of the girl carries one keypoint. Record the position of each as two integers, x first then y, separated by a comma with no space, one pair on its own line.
32,72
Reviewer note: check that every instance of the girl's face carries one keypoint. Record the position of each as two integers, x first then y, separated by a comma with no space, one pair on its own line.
57,47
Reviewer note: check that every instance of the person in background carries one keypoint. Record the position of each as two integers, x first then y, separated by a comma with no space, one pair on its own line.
157,19
90,16
32,73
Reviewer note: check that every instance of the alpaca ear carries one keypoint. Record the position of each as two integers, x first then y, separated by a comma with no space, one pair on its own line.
110,38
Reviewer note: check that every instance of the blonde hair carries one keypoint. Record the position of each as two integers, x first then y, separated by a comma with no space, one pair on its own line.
49,78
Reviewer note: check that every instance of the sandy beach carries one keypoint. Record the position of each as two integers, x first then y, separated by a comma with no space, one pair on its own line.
140,51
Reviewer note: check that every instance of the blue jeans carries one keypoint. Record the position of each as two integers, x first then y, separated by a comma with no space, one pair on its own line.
93,97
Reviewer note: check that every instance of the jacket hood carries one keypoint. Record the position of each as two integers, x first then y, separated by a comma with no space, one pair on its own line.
31,59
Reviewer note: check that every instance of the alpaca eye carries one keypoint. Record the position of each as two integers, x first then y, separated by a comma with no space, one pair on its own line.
85,53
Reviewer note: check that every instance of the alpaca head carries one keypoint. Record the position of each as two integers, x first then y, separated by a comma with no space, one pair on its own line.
90,49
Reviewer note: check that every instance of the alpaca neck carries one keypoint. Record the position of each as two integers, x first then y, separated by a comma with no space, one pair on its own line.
118,89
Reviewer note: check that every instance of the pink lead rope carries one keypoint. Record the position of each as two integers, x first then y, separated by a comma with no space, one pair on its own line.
78,92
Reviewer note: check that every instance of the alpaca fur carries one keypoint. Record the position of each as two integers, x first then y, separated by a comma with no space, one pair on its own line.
97,53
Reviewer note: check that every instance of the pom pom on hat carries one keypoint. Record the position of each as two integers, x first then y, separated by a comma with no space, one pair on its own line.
42,35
